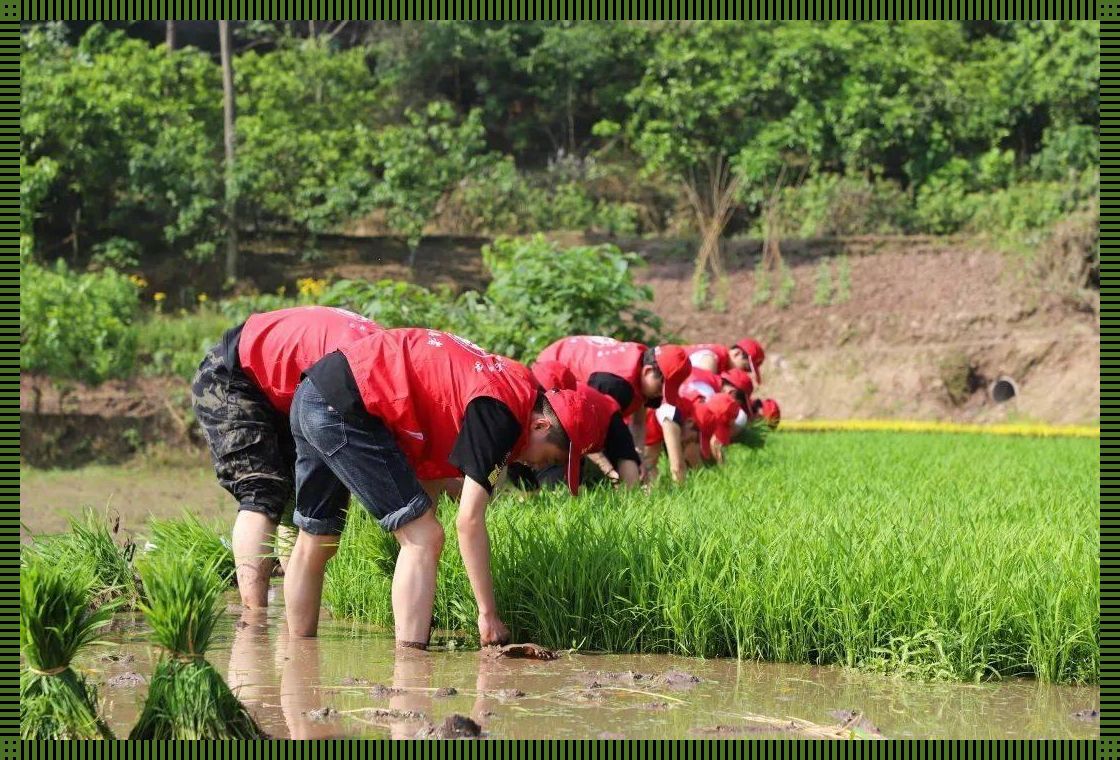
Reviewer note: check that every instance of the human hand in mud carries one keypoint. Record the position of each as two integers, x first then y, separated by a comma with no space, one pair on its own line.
492,631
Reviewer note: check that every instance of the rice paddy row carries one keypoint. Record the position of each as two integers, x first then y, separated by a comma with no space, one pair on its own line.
939,557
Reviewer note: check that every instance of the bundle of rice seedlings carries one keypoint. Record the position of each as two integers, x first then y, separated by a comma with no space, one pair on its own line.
753,435
187,698
91,544
55,622
190,536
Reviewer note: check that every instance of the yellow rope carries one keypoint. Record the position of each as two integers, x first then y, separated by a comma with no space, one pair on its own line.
1037,430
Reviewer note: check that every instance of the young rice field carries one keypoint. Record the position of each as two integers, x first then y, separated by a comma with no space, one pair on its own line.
931,556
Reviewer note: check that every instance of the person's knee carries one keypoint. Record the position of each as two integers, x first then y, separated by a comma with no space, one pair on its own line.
314,549
423,535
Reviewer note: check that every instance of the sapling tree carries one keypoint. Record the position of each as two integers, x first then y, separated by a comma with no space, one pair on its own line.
421,159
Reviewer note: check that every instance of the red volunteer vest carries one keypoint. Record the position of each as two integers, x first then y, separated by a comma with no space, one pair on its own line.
723,354
696,387
419,382
585,355
277,346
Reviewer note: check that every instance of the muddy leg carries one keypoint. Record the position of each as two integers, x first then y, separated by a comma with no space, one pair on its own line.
303,582
412,677
252,552
414,581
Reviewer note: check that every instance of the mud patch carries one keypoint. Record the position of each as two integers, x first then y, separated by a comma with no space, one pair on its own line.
507,694
381,691
445,691
453,727
322,714
677,679
1087,716
125,680
120,659
855,720
521,652
354,681
381,712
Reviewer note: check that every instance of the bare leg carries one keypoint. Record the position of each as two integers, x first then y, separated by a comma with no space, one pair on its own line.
285,537
414,581
303,582
252,553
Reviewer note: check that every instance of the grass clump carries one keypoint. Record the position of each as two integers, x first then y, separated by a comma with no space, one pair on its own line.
188,535
927,556
91,546
56,621
187,698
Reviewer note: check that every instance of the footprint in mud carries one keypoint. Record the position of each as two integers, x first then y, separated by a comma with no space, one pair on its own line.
445,691
521,652
322,714
1088,715
126,680
453,727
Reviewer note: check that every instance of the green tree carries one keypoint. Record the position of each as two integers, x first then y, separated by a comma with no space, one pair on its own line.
419,161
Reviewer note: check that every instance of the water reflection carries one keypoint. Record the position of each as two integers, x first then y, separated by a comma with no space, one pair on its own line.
354,682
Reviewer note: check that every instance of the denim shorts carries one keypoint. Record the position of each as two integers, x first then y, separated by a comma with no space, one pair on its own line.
337,457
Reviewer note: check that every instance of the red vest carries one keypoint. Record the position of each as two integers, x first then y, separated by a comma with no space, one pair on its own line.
723,354
585,355
692,388
277,346
419,382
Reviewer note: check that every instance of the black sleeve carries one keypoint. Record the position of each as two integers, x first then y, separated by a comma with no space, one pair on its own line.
613,386
489,433
620,443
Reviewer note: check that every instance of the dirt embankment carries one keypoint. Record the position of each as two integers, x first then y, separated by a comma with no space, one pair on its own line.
928,325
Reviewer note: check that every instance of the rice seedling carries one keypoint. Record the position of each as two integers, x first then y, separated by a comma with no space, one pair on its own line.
188,535
946,557
56,621
187,698
90,544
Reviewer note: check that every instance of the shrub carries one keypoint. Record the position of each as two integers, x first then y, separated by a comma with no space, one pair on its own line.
584,290
77,326
831,204
174,345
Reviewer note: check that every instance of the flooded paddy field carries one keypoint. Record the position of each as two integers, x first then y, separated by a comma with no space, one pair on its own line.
351,682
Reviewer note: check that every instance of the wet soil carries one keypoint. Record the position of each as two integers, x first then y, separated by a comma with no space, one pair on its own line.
352,681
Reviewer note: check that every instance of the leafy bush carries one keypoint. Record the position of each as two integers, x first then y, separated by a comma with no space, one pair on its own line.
541,292
77,326
174,345
392,303
831,204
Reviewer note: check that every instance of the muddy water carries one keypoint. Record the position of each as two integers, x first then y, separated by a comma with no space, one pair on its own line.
374,691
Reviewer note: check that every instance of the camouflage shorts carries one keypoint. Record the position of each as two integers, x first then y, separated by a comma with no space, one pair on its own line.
250,442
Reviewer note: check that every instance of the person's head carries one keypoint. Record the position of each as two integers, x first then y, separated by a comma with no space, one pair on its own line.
739,384
652,379
663,370
748,355
565,426
548,441
771,412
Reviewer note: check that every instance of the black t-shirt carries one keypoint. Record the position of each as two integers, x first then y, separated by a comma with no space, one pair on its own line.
613,386
620,442
485,441
482,447
230,341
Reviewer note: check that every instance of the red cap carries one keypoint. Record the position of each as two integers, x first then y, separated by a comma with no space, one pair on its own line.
755,355
770,412
584,414
675,368
554,376
741,379
715,417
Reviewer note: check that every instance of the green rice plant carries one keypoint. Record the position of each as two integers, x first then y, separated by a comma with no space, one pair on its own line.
926,556
91,544
187,698
188,535
56,621
822,294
